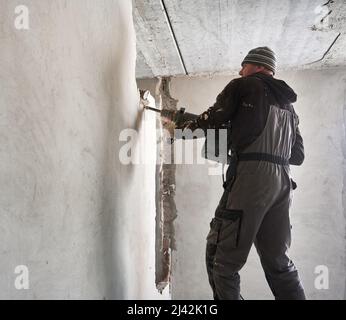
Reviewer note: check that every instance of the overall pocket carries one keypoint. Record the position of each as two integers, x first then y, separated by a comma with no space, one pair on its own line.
229,231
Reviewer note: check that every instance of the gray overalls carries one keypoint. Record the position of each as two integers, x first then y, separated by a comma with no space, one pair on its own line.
254,209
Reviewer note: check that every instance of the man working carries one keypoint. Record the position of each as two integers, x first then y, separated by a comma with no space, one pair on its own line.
254,208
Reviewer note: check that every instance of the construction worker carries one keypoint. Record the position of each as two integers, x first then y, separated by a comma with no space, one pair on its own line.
254,208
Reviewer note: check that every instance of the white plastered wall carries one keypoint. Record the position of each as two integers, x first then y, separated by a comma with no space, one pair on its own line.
81,221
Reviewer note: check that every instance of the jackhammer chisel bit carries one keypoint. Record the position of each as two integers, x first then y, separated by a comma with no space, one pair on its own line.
153,109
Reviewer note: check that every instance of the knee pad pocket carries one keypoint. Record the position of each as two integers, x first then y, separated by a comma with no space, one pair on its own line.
225,228
230,228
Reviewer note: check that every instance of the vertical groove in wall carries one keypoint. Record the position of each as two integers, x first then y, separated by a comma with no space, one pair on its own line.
167,212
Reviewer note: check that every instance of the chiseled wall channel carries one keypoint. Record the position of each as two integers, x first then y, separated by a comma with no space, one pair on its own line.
79,220
318,207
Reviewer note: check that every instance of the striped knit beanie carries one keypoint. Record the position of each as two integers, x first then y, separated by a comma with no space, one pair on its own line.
262,56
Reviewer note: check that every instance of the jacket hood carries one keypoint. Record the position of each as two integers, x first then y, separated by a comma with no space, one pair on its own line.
283,93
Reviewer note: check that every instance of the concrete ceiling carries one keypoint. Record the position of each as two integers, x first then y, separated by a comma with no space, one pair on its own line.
198,37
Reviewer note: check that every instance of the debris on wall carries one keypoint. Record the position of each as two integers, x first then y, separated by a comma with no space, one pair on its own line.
166,210
330,18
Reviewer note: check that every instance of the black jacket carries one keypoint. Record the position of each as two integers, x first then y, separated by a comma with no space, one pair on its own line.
244,105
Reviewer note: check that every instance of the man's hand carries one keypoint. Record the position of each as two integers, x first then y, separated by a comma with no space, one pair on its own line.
168,115
179,119
188,125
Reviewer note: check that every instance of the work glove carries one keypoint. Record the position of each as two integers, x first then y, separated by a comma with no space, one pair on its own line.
190,125
168,115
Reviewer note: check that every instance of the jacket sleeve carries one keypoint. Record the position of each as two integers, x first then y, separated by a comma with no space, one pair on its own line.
220,113
297,151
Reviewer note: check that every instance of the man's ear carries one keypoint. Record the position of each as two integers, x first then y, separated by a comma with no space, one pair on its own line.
261,68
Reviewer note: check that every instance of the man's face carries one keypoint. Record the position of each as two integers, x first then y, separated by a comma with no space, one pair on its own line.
249,69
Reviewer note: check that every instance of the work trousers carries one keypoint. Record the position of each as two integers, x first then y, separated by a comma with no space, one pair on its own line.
254,211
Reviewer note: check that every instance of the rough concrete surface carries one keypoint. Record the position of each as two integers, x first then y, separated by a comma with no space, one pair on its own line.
83,223
210,37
